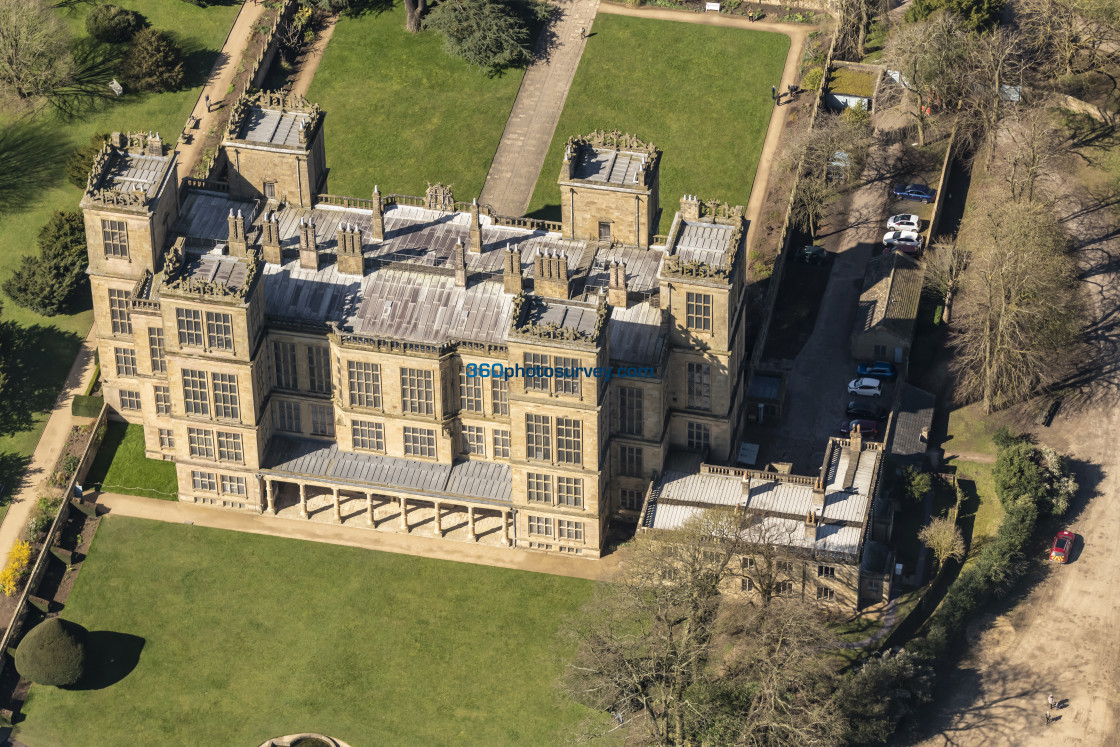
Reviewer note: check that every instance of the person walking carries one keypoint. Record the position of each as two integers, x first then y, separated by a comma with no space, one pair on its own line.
773,93
582,32
207,102
1049,718
1050,701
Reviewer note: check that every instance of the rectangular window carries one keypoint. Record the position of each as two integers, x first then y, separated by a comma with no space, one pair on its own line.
219,331
233,485
501,444
540,525
630,414
630,461
826,571
825,594
189,323
322,420
229,447
114,234
130,400
201,443
269,190
163,400
417,391
287,416
368,435
166,439
119,317
534,361
155,347
569,441
569,530
698,311
569,491
126,361
631,500
196,400
747,584
699,436
499,393
783,587
419,442
470,392
784,566
226,401
604,230
539,488
747,563
319,369
566,375
284,364
538,437
204,481
365,384
700,386
474,440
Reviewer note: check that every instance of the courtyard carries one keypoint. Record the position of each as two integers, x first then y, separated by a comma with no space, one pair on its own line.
247,637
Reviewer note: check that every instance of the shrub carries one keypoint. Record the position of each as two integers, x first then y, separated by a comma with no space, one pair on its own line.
70,463
81,161
53,653
154,62
916,484
16,569
46,283
811,81
113,24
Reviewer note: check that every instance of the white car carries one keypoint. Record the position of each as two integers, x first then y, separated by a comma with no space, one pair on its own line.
904,223
867,387
907,240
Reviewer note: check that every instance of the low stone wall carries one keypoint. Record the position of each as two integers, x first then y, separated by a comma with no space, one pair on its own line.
260,67
939,201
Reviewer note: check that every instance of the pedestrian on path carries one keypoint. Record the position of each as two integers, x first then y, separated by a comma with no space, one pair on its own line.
1050,701
1049,718
582,32
207,102
773,93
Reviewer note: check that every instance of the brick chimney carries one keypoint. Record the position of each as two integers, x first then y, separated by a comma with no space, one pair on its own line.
236,239
551,274
616,285
476,229
349,252
270,240
155,145
690,207
818,496
570,156
459,263
308,249
811,526
511,271
855,438
378,227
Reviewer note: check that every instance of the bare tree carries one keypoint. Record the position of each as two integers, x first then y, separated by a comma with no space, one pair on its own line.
944,263
994,59
34,48
1070,36
1031,146
764,557
813,151
852,19
1019,310
944,537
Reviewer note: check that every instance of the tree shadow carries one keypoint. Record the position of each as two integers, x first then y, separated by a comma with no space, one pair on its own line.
95,66
33,156
111,657
37,363
197,64
359,8
12,468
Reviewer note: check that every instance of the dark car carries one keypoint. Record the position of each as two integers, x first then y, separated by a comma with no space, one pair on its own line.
878,369
814,255
1063,545
866,427
919,192
865,410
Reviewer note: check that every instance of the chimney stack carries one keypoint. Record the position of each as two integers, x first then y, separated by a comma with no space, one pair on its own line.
270,240
308,249
236,238
551,274
476,230
616,285
811,525
459,262
511,271
818,496
378,227
855,438
155,145
690,208
349,252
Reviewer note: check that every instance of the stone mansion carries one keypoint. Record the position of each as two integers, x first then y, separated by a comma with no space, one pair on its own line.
310,355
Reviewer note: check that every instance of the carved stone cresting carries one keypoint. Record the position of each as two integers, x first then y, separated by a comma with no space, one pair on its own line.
176,280
277,100
439,197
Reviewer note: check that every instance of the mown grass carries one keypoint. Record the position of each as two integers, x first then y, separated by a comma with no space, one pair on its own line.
121,467
248,637
700,93
401,112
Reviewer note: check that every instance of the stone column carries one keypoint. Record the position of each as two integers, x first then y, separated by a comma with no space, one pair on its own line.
271,499
369,510
404,515
470,524
438,523
337,507
303,501
505,529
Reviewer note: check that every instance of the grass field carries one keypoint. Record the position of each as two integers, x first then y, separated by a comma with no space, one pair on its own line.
121,467
247,637
401,112
35,149
700,93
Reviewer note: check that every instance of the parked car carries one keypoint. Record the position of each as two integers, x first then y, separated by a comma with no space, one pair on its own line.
903,240
904,223
865,410
814,255
881,369
865,387
919,192
866,427
1062,547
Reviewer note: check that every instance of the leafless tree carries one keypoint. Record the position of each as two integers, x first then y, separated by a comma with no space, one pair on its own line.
944,262
764,557
1031,146
944,538
994,59
1070,36
34,49
813,151
852,19
1019,309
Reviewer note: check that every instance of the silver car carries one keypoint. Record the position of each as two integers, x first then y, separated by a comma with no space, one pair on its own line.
866,387
904,223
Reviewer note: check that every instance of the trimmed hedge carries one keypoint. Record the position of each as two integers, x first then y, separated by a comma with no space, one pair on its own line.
53,653
85,406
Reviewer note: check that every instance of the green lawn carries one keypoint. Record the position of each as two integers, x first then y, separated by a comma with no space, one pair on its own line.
121,467
401,112
700,93
971,437
248,637
35,149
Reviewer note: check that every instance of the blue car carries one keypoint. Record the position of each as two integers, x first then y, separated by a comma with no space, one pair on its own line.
919,192
879,369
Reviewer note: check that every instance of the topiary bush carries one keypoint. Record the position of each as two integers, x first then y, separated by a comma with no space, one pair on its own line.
154,62
53,653
113,24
